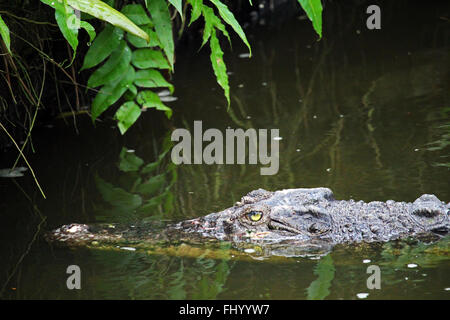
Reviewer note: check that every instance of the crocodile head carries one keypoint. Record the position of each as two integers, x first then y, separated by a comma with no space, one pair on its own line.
298,215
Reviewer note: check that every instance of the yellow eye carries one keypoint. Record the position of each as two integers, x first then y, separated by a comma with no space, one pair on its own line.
254,216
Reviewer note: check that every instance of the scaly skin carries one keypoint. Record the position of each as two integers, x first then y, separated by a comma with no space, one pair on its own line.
284,222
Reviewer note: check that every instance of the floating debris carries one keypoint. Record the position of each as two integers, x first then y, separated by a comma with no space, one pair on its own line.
328,169
298,150
244,55
249,250
264,84
12,173
366,261
168,98
241,85
163,93
362,295
277,138
412,265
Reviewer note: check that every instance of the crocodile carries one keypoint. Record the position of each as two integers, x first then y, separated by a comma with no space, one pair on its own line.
286,222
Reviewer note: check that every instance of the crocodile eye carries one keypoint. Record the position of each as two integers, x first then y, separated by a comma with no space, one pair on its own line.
254,215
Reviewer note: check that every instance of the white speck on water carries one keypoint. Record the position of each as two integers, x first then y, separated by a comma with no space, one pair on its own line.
130,151
447,289
298,150
163,93
12,173
128,248
341,116
314,117
416,150
308,46
264,84
244,55
241,85
300,100
358,31
277,138
412,265
362,295
248,117
328,169
168,99
191,192
424,274
249,250
366,261
230,73
406,278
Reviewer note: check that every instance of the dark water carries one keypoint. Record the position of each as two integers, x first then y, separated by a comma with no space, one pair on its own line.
361,112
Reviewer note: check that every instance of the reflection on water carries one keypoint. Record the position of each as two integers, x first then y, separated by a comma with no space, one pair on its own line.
365,114
319,289
144,190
